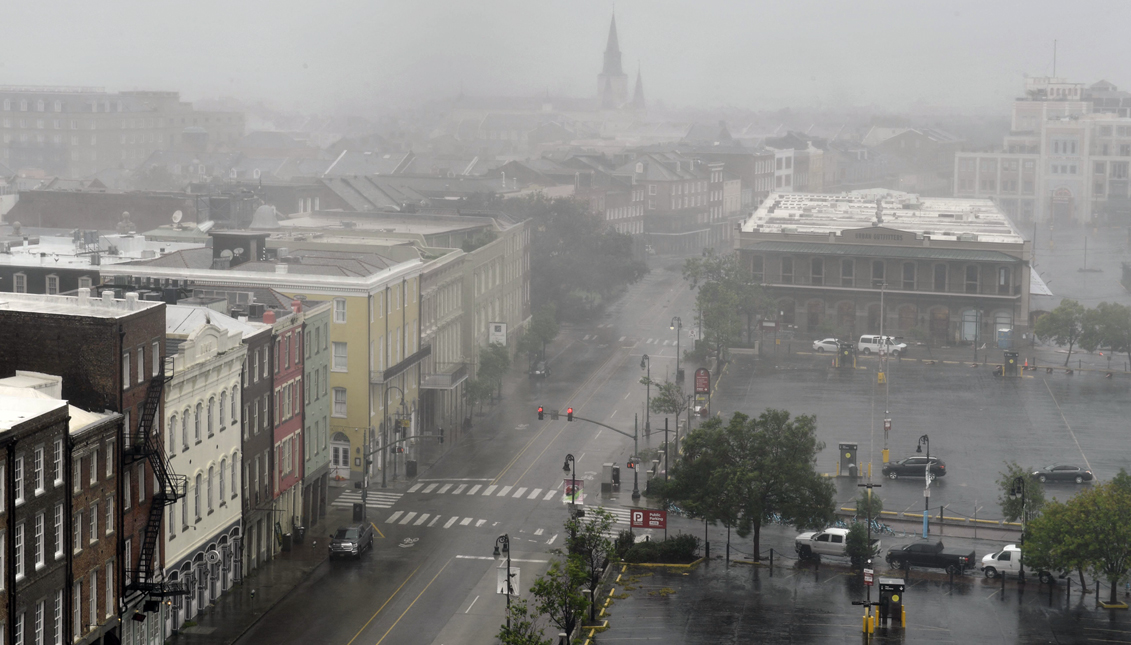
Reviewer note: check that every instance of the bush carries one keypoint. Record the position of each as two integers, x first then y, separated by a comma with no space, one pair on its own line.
677,549
623,543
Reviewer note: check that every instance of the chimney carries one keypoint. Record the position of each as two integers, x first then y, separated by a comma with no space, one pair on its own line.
108,297
296,306
84,296
131,300
269,317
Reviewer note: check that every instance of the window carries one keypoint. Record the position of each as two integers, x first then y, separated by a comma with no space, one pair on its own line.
57,618
223,468
235,405
196,421
847,273
109,515
184,430
52,285
76,608
972,279
940,277
306,391
76,539
39,611
909,276
196,495
141,482
211,416
155,358
94,523
126,371
325,380
57,461
339,310
20,284
109,588
877,273
211,476
1003,286
18,476
1119,170
339,360
40,547
235,476
94,466
19,547
3,562
37,470
93,608
127,491
58,527
339,401
172,447
286,353
306,342
256,368
266,357
787,270
817,276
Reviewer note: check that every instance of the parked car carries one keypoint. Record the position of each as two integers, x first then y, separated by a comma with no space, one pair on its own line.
869,344
1063,473
931,556
541,369
832,541
351,540
914,467
825,345
1007,562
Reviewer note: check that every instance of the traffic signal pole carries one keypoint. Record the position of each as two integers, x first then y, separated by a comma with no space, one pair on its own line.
635,436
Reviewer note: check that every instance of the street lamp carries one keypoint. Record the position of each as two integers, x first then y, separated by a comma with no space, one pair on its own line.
646,363
1017,489
677,326
926,441
504,541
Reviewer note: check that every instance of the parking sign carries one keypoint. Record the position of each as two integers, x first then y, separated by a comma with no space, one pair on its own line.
649,519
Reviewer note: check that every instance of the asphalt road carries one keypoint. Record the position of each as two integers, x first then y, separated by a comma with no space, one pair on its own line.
431,576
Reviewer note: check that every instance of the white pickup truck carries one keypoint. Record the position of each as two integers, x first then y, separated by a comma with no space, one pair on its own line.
832,541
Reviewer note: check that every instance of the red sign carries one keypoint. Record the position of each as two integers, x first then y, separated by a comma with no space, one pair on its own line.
646,519
868,577
702,381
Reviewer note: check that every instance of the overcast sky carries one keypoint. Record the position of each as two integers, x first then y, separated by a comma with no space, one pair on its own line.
347,55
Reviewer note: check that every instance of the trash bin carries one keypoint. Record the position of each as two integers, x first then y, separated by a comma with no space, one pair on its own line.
358,512
616,475
287,541
410,468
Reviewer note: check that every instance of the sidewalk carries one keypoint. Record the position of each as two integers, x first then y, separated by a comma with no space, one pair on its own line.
238,610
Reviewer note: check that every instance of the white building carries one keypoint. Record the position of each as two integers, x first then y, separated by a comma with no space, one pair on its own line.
202,409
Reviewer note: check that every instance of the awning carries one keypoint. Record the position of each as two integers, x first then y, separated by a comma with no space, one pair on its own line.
1037,286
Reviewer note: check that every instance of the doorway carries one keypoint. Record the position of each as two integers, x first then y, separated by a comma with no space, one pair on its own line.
340,456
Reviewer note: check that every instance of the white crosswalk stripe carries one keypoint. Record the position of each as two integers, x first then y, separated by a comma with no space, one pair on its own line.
393,517
421,520
474,489
459,489
415,487
433,521
490,489
479,523
519,493
449,523
444,489
506,489
622,339
535,493
376,499
430,488
550,495
408,518
539,531
466,521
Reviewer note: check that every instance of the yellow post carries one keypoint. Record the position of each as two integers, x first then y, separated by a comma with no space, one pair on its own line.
869,475
875,620
838,468
903,617
885,453
864,626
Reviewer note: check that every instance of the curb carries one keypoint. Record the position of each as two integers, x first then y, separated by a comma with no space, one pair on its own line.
689,565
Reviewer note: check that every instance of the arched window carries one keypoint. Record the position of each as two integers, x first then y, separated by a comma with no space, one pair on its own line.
196,421
211,474
235,475
184,430
196,494
235,400
223,466
172,447
223,407
211,415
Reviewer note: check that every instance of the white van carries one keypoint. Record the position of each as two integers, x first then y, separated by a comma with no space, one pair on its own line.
869,344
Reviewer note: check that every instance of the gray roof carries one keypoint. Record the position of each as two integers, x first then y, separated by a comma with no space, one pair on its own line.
882,251
182,320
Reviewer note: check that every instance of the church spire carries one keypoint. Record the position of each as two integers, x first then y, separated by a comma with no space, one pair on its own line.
638,94
612,50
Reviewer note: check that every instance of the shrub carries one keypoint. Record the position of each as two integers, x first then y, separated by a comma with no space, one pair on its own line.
623,543
677,549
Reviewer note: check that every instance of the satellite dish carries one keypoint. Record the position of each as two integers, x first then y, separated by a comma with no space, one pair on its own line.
177,215
226,254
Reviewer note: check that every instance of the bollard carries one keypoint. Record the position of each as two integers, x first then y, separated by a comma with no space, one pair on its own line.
864,624
1002,576
728,554
771,562
1097,594
903,617
707,551
1067,591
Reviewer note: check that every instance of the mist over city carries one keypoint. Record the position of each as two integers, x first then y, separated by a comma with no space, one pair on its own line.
553,323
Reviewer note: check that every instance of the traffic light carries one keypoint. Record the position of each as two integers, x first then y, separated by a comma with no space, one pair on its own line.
541,414
569,414
631,465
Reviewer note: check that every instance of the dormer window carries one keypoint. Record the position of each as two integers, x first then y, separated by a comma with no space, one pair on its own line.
640,167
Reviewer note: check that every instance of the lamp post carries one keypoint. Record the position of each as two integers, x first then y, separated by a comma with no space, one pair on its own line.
646,363
504,541
385,431
1017,489
635,458
926,441
677,326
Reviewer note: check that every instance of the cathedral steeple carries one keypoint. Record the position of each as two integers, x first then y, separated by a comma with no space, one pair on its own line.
638,94
612,51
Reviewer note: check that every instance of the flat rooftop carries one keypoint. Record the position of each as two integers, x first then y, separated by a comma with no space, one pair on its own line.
15,410
88,306
414,224
939,218
63,251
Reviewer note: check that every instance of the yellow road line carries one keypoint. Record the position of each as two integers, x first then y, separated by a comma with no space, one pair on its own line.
382,606
377,529
414,600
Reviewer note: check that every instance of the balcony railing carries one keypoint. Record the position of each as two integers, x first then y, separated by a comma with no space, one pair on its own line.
445,378
382,376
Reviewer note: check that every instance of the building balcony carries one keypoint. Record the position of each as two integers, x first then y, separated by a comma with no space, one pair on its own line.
377,377
445,377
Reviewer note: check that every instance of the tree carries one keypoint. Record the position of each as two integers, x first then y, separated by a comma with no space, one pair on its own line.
727,294
1108,325
868,506
542,330
524,628
1062,325
669,399
1052,543
745,472
477,391
857,547
493,364
590,545
1011,505
558,593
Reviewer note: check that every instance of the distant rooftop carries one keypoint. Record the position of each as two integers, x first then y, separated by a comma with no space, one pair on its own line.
940,218
84,304
64,251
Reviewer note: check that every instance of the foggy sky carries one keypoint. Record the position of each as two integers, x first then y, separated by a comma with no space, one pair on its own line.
343,55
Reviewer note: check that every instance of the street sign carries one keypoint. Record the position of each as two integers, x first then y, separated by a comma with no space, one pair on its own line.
769,325
501,581
649,519
868,577
702,381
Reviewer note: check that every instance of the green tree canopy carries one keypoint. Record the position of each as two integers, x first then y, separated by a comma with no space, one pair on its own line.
558,593
1107,326
727,295
744,472
669,399
543,329
493,364
1062,325
524,629
1013,507
590,545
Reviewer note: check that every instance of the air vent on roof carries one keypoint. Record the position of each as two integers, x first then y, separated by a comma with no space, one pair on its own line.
349,224
968,237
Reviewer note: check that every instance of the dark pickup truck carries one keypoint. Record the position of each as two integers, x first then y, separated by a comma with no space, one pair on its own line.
932,556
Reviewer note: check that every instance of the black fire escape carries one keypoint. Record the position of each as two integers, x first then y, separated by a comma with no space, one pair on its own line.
145,445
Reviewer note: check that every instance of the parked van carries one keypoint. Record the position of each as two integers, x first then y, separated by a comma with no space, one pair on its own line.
869,344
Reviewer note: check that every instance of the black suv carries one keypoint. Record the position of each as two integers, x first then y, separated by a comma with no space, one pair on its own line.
351,540
914,467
